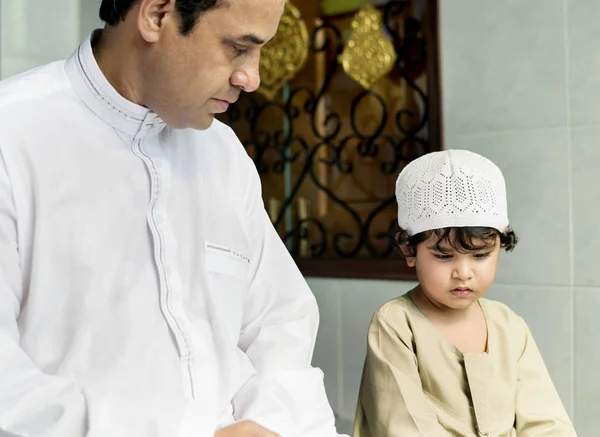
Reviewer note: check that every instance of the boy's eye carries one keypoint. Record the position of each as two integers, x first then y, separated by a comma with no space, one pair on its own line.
443,255
482,255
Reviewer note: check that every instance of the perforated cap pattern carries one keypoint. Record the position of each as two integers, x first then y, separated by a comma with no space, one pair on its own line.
451,188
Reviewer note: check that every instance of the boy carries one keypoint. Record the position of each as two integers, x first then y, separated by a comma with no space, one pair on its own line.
442,360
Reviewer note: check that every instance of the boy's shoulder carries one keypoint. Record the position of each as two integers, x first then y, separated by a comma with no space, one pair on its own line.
398,313
504,320
396,318
401,305
499,311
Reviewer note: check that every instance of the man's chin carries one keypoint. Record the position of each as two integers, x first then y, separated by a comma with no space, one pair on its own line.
203,124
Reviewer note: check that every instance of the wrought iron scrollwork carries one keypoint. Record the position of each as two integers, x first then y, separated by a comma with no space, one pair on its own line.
299,129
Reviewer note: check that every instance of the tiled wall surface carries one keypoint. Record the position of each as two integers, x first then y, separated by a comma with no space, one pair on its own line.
35,32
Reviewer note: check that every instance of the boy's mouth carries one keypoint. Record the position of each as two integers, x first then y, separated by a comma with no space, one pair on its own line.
461,291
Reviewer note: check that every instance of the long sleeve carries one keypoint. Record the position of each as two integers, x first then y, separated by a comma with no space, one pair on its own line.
391,399
32,404
278,335
539,410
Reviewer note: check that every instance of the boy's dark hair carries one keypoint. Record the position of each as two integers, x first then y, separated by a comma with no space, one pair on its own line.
113,11
460,239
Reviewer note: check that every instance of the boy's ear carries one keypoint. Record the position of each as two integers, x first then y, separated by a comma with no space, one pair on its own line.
408,253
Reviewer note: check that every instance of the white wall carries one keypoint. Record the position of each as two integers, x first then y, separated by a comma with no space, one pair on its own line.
35,32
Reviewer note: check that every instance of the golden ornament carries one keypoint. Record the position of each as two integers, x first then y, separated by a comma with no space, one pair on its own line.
368,55
284,56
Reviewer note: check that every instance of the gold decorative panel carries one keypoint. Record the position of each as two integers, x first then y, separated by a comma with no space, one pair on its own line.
369,54
284,56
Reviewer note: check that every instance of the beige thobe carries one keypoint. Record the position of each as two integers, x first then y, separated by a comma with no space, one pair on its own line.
417,383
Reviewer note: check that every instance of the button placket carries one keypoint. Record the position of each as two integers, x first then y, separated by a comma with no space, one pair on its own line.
161,234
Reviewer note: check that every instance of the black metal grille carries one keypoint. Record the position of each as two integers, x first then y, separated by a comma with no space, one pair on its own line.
301,129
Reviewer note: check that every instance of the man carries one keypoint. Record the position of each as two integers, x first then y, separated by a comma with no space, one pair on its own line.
143,290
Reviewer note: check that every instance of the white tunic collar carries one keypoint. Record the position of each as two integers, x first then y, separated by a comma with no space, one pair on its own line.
101,98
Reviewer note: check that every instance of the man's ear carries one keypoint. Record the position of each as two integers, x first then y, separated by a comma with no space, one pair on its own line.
152,18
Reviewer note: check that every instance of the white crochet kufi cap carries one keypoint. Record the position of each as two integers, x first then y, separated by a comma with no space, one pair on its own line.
451,188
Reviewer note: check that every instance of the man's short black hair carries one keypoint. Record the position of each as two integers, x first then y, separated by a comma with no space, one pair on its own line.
114,11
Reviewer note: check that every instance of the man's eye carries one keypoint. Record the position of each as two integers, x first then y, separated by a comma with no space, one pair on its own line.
239,50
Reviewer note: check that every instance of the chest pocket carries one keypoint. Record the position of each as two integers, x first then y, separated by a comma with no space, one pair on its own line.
227,270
